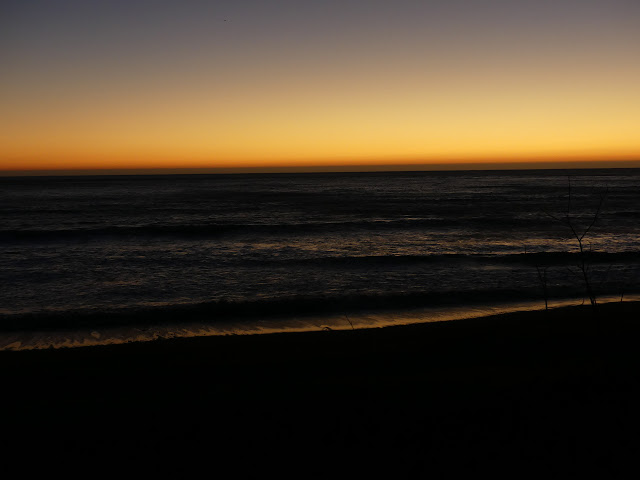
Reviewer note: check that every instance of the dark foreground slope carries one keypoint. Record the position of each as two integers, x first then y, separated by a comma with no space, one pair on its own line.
554,394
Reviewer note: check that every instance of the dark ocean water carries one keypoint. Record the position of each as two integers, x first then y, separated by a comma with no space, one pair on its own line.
241,245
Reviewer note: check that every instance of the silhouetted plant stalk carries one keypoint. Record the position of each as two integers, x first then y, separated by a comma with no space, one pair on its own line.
350,322
542,278
583,265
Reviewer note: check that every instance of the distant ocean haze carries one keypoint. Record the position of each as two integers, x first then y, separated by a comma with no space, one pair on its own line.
307,242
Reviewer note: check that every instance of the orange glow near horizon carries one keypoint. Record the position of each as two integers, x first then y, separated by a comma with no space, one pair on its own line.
275,90
366,163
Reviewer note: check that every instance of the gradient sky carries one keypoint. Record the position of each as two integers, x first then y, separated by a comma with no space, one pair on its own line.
112,84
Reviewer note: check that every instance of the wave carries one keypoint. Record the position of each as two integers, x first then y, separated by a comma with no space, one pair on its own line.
213,312
470,224
198,231
222,309
528,259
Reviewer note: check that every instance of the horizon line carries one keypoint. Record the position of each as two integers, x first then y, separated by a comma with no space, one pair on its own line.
348,168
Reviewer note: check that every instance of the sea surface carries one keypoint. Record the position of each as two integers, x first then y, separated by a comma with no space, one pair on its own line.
89,253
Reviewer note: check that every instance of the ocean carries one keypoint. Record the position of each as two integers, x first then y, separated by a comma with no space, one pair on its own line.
81,256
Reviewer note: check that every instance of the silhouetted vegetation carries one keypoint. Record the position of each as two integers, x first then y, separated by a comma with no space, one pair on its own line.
578,231
542,278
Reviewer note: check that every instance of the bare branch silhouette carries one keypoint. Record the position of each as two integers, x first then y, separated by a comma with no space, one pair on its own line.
568,221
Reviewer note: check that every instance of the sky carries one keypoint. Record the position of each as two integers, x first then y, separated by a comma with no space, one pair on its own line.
116,84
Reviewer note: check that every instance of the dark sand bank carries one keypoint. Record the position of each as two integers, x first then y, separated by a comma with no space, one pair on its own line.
553,394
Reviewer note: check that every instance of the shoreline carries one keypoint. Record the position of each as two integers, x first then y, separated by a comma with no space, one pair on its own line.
561,320
274,324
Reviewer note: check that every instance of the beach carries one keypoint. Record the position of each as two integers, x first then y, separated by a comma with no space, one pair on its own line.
549,393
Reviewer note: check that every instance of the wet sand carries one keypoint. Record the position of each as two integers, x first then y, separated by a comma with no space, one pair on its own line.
523,394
